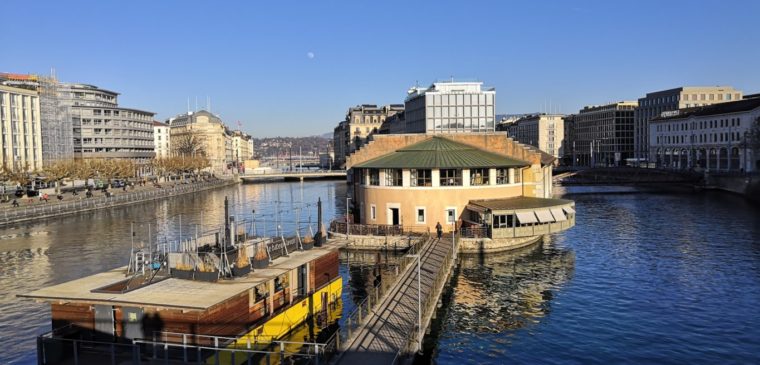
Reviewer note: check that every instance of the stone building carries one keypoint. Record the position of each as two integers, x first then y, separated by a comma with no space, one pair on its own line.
242,146
21,142
715,137
655,103
543,131
203,133
604,134
361,122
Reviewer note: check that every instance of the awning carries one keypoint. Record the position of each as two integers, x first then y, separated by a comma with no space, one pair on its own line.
569,210
526,217
558,214
544,216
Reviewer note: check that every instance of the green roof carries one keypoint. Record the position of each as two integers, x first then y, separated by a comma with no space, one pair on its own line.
440,153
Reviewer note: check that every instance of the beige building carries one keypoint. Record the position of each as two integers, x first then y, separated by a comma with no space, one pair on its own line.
205,133
242,145
161,139
419,180
544,131
654,104
21,141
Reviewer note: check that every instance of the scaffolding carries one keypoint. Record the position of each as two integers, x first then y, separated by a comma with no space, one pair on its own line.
57,129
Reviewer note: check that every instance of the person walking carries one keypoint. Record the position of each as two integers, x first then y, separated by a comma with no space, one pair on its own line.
15,203
439,230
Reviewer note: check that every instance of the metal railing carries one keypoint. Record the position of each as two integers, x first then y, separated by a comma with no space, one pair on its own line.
42,210
339,227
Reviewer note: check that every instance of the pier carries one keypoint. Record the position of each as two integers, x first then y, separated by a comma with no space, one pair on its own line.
392,330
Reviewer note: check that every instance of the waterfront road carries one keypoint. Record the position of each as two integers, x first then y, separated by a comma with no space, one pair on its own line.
392,324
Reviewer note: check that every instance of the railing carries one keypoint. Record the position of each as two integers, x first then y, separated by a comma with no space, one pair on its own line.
364,308
11,215
475,232
339,227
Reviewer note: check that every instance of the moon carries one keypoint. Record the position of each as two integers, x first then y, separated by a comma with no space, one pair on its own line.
310,55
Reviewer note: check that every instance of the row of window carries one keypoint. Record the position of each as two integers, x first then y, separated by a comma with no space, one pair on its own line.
447,177
701,138
420,214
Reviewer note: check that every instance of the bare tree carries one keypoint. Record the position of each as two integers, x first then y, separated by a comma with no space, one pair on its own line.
58,171
188,144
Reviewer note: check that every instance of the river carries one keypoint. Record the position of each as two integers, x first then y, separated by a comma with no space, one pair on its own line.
642,278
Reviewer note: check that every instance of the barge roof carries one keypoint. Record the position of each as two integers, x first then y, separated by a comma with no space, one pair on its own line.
173,293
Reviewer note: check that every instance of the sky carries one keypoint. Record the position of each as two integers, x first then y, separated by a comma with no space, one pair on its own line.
291,68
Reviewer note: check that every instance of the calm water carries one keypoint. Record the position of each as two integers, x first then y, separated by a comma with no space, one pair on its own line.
642,278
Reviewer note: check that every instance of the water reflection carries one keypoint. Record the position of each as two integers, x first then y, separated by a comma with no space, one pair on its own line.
54,251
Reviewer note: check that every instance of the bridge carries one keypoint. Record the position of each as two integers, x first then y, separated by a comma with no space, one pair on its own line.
391,330
295,176
626,176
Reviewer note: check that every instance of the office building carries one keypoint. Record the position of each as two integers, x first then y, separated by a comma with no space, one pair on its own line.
653,104
450,107
604,134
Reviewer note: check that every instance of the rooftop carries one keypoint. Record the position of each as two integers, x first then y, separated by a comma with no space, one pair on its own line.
713,109
439,152
172,293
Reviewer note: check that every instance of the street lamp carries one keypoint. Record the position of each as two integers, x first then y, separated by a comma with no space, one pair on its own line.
253,218
419,302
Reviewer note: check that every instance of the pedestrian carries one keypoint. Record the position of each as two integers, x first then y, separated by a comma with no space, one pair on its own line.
45,197
439,230
15,203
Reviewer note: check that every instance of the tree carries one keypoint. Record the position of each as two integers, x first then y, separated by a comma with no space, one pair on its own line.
21,176
188,144
59,170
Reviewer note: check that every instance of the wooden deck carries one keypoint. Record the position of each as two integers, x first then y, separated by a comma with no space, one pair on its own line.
392,325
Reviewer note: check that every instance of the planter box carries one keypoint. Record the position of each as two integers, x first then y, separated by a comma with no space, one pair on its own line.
211,276
307,246
182,274
241,271
260,264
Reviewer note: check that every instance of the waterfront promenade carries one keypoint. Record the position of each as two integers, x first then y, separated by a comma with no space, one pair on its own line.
390,332
33,209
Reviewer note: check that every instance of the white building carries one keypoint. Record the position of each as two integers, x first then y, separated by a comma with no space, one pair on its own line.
450,107
21,142
161,139
713,137
544,131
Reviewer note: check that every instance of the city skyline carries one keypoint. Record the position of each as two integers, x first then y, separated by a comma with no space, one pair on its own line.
293,70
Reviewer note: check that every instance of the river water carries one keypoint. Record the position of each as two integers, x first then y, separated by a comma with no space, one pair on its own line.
642,278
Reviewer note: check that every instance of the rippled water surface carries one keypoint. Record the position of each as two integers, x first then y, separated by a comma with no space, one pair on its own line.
641,279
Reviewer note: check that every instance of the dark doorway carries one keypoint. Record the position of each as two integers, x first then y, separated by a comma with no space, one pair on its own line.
394,216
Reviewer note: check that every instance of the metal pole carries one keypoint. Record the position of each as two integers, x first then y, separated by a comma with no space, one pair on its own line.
347,213
419,304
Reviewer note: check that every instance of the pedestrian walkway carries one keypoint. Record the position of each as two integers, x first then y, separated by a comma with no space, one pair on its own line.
391,330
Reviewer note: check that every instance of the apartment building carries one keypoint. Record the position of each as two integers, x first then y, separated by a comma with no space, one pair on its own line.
161,139
203,133
655,103
360,123
21,142
543,131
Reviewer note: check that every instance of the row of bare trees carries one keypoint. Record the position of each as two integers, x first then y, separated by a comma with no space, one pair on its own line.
102,169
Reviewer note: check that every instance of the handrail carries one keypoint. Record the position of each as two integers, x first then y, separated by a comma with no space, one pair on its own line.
336,226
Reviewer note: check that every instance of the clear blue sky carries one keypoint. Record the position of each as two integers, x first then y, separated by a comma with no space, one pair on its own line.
252,58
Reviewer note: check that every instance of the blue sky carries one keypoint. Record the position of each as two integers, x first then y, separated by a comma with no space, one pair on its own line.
252,58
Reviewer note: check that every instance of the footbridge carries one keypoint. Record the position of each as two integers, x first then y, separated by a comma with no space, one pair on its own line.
388,328
294,176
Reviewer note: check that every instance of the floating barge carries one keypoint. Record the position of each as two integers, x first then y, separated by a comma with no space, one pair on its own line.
228,316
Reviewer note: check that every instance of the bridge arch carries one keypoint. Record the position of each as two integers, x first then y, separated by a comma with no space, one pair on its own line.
723,158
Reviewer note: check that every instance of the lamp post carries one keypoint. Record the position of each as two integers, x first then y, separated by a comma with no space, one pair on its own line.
348,199
419,302
253,219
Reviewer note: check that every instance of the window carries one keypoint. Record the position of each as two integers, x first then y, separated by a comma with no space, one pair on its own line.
451,215
392,177
420,215
451,177
502,176
518,176
374,177
503,221
421,177
372,212
479,177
